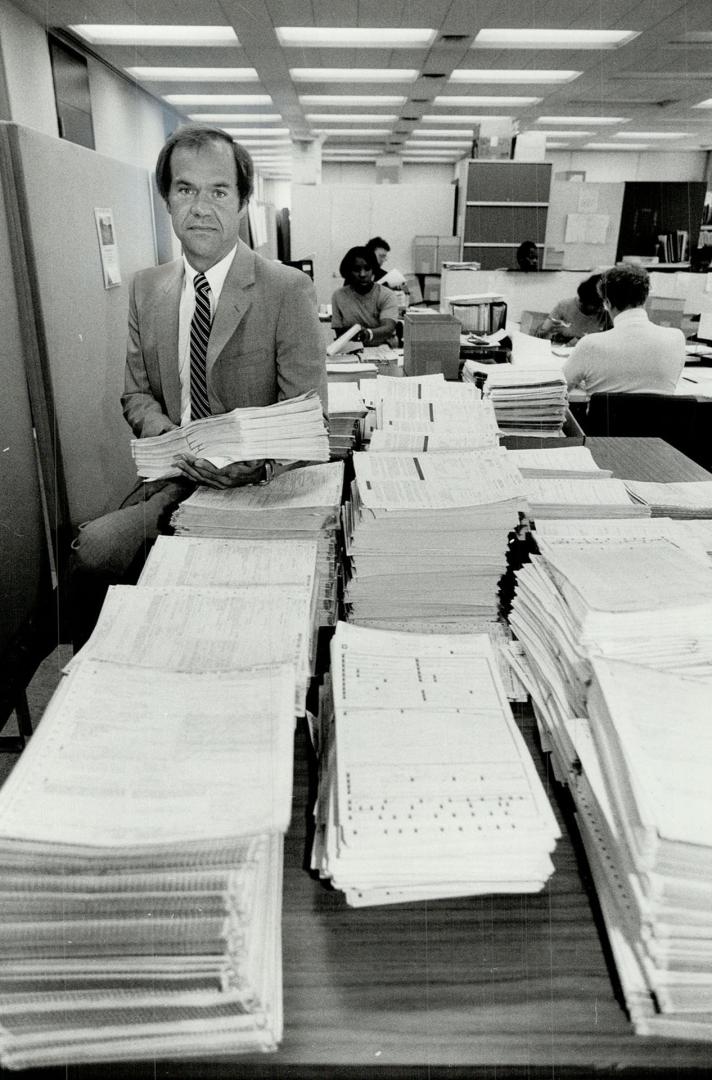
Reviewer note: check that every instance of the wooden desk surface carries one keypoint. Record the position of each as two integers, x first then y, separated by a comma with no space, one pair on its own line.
634,458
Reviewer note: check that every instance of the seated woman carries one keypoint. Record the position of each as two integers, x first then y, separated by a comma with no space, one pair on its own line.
580,315
363,301
379,249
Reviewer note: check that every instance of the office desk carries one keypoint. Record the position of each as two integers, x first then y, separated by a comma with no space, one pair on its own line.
633,458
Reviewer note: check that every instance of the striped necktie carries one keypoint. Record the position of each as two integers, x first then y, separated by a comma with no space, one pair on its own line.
199,335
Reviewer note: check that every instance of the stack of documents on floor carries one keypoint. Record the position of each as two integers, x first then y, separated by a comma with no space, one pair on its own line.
218,629
575,462
644,806
346,412
556,497
426,536
291,430
427,787
684,499
526,402
627,590
141,855
301,504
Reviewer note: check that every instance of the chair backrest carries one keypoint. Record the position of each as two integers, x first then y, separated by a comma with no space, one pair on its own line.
530,321
677,420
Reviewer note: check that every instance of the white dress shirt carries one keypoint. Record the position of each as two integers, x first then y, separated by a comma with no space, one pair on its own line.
636,356
216,279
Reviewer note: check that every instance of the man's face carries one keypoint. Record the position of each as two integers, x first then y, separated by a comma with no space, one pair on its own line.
204,203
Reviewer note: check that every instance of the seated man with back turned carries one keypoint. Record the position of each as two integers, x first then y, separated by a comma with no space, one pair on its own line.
636,356
218,329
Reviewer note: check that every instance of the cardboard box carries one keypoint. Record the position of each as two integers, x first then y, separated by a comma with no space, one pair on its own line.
431,344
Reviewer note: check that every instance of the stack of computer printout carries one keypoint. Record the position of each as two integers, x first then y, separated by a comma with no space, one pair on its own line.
575,462
346,412
683,499
426,537
141,851
526,402
291,430
299,504
428,414
427,788
567,496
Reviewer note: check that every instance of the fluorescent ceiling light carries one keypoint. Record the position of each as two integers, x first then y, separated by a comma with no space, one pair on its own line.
237,118
376,75
350,157
218,99
706,104
242,131
582,120
614,146
139,34
351,37
351,99
501,38
562,133
445,149
379,132
695,37
453,118
557,146
486,102
652,135
195,74
351,118
512,75
442,135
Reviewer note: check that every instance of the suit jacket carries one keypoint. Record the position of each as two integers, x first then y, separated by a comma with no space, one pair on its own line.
265,345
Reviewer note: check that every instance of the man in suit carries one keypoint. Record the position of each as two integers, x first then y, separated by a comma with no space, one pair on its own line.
264,341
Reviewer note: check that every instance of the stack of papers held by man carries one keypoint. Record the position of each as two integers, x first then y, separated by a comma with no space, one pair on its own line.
426,536
291,430
427,788
141,855
300,504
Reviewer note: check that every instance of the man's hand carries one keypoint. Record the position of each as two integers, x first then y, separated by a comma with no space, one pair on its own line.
237,474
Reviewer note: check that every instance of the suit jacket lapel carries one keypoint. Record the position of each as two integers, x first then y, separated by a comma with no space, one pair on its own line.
235,299
167,304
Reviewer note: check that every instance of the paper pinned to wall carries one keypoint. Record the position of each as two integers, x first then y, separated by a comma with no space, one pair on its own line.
586,228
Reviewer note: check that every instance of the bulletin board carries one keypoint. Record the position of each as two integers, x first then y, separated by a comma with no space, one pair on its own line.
582,226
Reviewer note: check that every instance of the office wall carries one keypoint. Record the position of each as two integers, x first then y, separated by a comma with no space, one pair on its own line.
129,125
25,72
327,220
610,166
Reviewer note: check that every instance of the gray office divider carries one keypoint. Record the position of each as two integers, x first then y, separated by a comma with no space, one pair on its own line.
74,351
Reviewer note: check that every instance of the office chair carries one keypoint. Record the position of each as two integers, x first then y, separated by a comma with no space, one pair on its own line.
680,421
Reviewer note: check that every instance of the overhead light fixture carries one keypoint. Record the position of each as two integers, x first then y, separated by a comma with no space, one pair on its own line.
615,146
375,75
453,118
236,118
653,135
351,118
139,34
354,37
512,75
448,100
509,38
562,133
453,133
694,37
706,104
218,99
247,132
558,146
582,120
377,132
195,74
446,149
352,99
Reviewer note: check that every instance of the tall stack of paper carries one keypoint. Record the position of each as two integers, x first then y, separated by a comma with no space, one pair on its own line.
427,787
210,629
426,536
301,504
684,499
425,413
141,865
525,401
346,412
644,797
291,430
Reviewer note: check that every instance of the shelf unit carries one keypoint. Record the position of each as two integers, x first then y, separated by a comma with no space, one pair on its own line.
505,203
